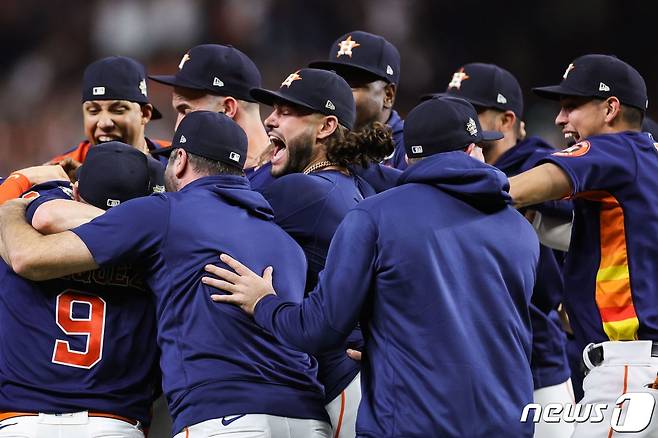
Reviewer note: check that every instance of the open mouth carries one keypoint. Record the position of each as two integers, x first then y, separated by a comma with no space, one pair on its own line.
106,138
279,148
571,138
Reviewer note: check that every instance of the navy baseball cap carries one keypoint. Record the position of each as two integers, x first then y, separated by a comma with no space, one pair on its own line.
320,91
363,52
486,86
216,69
600,76
115,172
116,78
211,135
443,124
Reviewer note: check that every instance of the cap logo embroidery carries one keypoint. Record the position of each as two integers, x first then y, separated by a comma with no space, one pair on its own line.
142,86
330,105
568,70
182,139
291,77
501,99
217,82
457,79
346,47
471,127
98,91
389,70
185,58
113,202
234,156
603,87
416,149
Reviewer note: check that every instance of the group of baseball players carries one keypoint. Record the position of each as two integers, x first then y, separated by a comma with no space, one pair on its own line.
332,270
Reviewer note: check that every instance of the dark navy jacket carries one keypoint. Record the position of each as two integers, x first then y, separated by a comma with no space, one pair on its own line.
310,208
379,176
439,271
215,360
398,160
549,360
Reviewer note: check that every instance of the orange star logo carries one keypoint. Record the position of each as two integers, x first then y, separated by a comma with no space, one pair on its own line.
291,77
457,78
346,47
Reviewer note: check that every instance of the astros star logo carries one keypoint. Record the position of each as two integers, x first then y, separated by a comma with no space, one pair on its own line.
185,58
346,47
457,79
291,77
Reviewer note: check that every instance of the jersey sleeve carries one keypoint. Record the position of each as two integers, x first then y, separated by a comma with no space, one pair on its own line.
42,193
330,313
290,197
596,164
130,233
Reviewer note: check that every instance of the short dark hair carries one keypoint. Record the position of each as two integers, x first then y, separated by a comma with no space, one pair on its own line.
208,167
633,116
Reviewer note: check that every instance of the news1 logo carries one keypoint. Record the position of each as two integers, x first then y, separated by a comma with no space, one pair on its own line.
637,407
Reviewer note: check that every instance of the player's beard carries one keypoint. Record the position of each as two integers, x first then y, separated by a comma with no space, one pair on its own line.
300,152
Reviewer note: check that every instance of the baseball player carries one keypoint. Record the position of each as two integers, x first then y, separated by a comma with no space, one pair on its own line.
610,173
440,339
222,374
371,65
497,97
314,189
218,78
115,107
90,366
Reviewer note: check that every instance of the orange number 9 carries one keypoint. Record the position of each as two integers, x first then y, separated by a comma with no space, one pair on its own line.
93,327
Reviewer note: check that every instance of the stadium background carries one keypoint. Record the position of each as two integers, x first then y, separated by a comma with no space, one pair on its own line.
46,45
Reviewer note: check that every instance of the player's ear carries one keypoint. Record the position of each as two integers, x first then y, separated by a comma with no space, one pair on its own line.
181,162
507,120
613,109
327,127
389,95
147,112
230,106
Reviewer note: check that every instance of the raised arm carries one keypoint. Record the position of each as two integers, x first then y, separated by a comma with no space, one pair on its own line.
543,183
35,256
61,215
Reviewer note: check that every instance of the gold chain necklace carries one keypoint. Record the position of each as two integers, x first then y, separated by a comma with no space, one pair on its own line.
317,166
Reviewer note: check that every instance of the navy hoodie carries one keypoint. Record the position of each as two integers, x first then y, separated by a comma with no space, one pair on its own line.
549,354
215,360
439,272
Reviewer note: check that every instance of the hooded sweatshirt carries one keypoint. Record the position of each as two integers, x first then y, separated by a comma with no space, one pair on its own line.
215,360
439,272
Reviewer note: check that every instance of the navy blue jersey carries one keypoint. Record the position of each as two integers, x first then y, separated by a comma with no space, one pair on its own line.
440,342
549,361
398,158
378,176
310,208
261,177
82,342
215,360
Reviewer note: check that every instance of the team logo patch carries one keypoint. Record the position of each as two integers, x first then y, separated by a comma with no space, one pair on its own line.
501,99
330,105
346,46
113,202
234,156
568,70
217,82
185,58
577,150
471,127
98,91
416,149
142,87
291,77
31,195
603,87
457,78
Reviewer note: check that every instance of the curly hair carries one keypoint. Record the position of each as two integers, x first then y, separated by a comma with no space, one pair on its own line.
371,144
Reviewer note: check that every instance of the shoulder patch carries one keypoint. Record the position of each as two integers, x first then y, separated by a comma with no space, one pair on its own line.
31,195
577,150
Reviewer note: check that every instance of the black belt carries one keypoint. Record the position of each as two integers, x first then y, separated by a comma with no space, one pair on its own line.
596,354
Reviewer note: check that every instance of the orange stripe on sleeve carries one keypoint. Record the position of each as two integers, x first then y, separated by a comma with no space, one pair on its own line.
12,188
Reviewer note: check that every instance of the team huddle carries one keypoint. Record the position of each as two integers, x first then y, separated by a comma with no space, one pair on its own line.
333,270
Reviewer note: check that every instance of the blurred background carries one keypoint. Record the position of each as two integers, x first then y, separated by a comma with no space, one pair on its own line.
47,44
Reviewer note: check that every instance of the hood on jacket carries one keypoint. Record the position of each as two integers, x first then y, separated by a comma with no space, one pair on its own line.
478,184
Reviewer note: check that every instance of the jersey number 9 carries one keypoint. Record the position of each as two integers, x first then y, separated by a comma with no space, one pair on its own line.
91,326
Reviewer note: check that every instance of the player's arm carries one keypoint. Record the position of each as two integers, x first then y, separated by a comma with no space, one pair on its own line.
60,215
329,314
35,256
545,182
20,181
